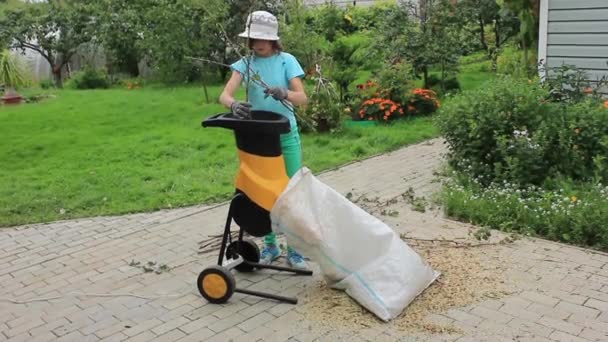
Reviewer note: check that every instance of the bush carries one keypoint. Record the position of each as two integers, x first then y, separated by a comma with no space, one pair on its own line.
47,84
510,132
89,78
12,72
380,109
448,85
373,102
510,62
568,84
423,102
324,111
477,122
396,80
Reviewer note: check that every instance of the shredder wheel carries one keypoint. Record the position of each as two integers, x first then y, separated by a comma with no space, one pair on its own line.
216,284
249,251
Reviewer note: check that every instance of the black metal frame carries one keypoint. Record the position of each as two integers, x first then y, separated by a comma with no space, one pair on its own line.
227,238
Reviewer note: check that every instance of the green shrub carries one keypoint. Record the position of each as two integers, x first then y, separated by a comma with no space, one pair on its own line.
396,81
89,78
447,85
324,111
568,84
510,62
46,84
12,73
508,131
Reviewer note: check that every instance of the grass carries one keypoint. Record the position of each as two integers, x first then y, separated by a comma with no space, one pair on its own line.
108,152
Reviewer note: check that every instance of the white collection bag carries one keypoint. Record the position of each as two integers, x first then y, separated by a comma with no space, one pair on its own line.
356,251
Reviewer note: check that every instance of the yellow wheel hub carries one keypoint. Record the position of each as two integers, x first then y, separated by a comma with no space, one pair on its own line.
215,286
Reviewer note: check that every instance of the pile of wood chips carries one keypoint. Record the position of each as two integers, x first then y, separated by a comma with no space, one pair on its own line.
469,274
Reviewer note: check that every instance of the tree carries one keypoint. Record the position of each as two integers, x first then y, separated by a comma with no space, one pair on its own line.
306,45
527,12
234,23
55,29
118,31
424,34
173,30
482,14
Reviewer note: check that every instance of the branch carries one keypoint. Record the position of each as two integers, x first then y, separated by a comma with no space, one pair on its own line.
39,49
67,57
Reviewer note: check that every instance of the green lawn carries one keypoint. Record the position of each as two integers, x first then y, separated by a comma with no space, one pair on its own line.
107,152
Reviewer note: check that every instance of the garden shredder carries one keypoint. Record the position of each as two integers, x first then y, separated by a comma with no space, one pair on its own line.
260,180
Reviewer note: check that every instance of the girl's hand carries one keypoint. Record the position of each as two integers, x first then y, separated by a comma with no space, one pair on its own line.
241,110
278,93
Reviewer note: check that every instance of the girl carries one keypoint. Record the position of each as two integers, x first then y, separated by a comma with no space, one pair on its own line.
283,74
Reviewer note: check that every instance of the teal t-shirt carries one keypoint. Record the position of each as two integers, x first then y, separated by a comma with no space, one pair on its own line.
276,71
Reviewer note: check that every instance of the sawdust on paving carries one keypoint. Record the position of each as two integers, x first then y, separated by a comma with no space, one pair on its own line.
468,275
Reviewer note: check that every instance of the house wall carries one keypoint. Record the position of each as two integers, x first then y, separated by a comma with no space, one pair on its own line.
576,33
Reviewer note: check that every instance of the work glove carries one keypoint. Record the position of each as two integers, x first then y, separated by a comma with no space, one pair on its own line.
278,93
241,110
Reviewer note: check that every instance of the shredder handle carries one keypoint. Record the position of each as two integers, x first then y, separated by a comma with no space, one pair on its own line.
261,122
208,122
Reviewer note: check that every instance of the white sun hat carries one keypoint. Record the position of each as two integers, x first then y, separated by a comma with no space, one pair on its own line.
261,25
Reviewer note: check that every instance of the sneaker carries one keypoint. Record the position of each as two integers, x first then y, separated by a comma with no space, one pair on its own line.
269,254
296,260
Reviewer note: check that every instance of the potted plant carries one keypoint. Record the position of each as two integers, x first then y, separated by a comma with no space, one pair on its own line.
324,111
11,77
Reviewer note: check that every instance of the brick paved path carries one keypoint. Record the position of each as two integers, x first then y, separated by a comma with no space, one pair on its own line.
560,292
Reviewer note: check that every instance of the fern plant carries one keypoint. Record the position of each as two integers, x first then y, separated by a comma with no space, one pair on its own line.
12,74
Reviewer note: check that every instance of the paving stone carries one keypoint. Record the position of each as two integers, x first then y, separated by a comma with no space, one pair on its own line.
578,310
565,337
597,304
493,315
560,325
593,335
226,335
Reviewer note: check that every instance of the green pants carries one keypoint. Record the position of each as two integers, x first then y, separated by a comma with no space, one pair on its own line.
292,153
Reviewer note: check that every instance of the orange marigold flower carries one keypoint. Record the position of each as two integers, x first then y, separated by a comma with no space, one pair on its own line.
606,104
370,119
393,108
387,113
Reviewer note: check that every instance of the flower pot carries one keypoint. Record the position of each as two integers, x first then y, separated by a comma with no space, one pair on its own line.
13,98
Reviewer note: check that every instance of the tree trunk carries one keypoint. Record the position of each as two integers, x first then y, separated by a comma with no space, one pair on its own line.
525,46
494,54
425,72
57,77
443,75
132,65
482,34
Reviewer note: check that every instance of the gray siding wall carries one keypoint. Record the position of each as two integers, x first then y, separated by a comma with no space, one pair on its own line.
577,33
